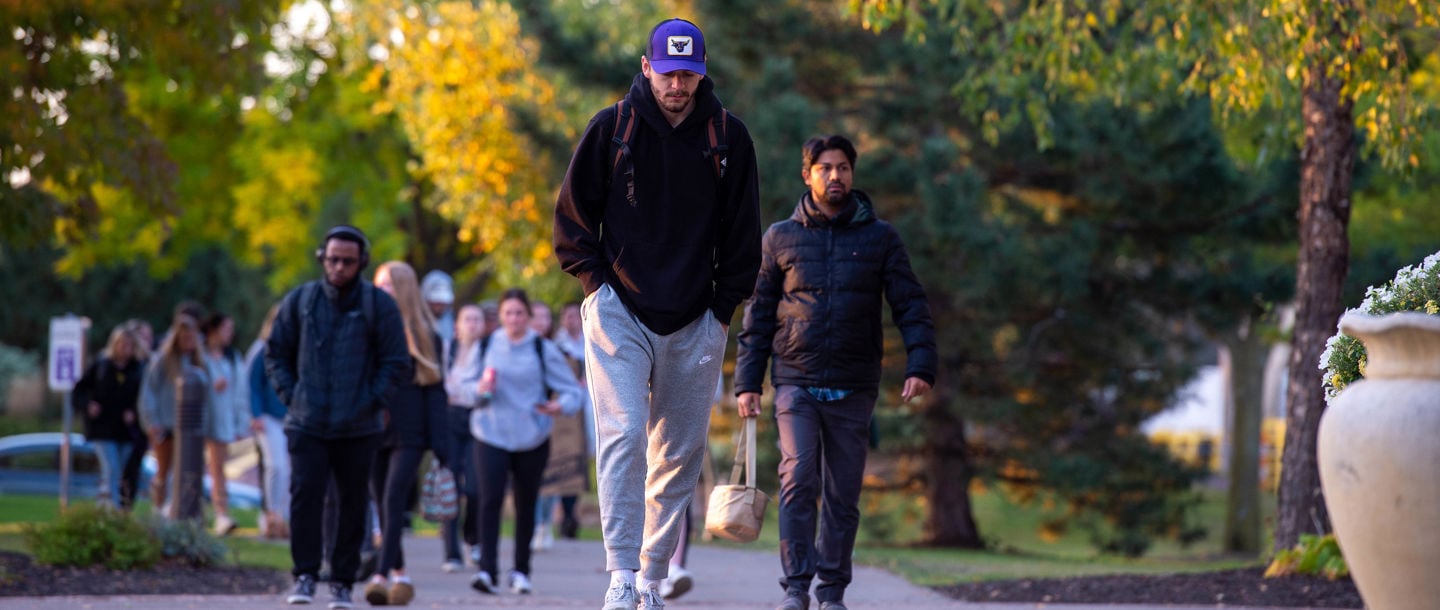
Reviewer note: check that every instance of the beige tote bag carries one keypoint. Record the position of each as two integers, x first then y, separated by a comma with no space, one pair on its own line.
737,511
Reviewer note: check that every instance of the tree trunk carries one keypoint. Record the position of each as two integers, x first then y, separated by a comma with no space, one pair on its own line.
950,521
1326,166
1246,350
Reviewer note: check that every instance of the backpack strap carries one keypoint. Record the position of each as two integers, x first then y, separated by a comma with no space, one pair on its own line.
623,133
625,115
540,355
718,141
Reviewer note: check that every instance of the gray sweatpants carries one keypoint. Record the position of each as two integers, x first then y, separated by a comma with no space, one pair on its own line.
651,394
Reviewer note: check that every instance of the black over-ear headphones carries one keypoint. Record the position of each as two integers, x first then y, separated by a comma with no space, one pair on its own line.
347,233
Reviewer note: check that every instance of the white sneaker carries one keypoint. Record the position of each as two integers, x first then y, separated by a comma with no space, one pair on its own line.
224,525
543,540
677,583
483,583
519,583
451,566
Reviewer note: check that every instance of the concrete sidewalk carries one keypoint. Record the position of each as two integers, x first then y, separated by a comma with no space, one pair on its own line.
571,575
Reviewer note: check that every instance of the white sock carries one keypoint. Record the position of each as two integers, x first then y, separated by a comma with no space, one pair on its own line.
622,577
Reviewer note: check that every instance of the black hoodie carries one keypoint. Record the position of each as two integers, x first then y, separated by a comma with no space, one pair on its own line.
690,242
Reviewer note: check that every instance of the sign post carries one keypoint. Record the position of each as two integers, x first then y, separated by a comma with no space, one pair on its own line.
67,357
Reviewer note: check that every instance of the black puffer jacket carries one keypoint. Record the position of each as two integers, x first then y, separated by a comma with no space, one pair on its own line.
335,360
816,306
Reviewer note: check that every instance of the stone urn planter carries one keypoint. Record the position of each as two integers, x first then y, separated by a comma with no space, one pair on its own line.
1379,458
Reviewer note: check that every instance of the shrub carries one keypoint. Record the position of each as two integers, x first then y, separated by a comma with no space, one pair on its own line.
1415,288
89,535
1312,556
187,542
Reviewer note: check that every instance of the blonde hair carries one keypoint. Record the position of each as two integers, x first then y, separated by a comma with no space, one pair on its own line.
419,323
142,348
169,355
269,322
119,333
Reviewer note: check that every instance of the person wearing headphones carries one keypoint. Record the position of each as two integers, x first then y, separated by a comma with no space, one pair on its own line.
335,354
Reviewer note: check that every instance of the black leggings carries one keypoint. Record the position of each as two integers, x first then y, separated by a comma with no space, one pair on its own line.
495,468
391,481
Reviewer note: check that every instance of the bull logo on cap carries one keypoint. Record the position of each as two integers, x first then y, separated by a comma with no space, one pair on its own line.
681,45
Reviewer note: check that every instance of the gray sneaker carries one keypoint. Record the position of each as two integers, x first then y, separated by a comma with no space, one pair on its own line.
795,601
304,591
650,600
620,597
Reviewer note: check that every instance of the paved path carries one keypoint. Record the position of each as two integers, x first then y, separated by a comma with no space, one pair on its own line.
571,575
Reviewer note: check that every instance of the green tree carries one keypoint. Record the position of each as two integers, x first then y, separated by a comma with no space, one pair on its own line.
1322,67
75,140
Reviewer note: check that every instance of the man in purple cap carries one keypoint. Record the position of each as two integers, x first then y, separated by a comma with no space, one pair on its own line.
659,219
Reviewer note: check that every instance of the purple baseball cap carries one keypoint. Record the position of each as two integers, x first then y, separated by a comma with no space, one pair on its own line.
677,44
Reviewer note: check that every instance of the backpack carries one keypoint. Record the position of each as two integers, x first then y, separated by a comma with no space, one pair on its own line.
311,292
716,133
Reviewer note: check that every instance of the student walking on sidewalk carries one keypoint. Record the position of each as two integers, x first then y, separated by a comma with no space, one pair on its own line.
659,218
335,354
816,314
415,421
518,383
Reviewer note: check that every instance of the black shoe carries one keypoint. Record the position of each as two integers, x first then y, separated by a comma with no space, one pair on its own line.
304,591
795,600
340,597
368,563
835,605
569,528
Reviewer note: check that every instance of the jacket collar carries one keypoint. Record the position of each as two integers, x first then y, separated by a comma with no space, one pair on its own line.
643,99
857,212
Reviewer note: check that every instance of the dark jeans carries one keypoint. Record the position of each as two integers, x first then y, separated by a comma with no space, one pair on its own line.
523,471
822,454
130,476
393,477
463,467
314,462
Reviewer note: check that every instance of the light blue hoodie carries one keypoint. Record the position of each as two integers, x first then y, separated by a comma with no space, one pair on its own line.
511,422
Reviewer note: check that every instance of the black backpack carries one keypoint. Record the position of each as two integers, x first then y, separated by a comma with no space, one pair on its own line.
716,133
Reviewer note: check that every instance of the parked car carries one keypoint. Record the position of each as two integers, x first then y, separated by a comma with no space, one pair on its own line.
30,465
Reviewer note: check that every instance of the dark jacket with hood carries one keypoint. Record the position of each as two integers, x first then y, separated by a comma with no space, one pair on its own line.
687,241
816,306
334,364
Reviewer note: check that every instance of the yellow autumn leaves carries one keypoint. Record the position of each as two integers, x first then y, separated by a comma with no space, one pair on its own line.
455,74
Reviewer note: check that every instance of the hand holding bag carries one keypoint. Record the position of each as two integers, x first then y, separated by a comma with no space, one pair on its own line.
438,498
737,511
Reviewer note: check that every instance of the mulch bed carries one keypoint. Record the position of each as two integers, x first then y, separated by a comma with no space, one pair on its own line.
1247,587
20,576
1244,587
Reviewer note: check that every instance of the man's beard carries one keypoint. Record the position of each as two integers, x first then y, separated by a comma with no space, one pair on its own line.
674,103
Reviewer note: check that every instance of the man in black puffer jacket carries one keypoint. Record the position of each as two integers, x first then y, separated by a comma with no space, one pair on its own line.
335,354
816,311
